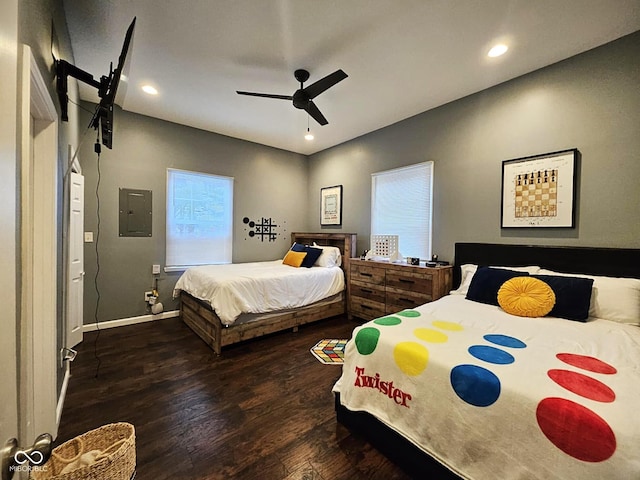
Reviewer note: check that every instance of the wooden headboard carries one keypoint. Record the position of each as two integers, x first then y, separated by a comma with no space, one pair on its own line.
613,262
346,242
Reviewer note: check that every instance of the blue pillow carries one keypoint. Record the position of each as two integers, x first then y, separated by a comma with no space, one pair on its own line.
487,281
297,247
573,296
312,254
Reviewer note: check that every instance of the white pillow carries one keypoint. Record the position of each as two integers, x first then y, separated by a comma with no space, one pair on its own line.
468,270
612,298
330,256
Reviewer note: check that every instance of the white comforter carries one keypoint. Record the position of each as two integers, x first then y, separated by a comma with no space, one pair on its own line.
543,398
259,287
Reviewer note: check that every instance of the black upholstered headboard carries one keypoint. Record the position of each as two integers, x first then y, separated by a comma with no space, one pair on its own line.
614,262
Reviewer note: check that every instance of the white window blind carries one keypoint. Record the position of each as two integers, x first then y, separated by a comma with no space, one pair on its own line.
401,204
199,219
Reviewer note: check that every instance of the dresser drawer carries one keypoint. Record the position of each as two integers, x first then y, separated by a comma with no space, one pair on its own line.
367,274
400,299
368,290
365,308
415,282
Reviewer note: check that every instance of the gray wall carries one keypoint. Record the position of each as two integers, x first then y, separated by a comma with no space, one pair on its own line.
268,183
590,102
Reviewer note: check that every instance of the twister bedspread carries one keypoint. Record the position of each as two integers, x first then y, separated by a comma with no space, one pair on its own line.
259,287
494,396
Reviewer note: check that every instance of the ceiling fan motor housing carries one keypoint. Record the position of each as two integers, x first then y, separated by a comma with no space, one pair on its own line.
301,99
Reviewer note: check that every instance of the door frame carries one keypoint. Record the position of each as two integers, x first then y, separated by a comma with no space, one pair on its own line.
9,217
38,324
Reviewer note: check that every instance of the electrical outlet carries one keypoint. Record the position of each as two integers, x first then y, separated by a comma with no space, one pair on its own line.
155,270
148,295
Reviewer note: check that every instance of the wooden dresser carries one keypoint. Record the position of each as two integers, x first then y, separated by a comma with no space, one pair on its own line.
379,288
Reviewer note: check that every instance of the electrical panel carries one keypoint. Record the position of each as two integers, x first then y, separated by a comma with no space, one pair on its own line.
135,213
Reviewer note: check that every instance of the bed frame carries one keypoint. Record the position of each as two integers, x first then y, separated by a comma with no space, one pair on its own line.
199,316
623,262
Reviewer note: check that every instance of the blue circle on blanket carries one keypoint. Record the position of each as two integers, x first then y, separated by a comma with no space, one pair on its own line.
491,354
505,341
475,385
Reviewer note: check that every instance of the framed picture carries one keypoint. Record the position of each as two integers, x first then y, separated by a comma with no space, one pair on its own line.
331,205
540,191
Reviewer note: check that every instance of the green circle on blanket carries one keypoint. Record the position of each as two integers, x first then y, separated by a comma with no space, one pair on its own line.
409,313
388,321
367,340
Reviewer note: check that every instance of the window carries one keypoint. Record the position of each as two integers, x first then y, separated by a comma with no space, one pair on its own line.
401,204
199,219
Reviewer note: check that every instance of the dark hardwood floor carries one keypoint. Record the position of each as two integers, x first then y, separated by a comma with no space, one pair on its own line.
263,409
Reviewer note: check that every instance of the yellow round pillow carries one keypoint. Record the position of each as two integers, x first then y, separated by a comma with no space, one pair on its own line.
526,297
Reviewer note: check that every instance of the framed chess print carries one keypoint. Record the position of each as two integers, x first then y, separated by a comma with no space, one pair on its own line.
331,205
540,191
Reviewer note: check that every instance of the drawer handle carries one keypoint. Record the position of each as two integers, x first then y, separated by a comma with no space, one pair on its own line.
366,274
366,307
366,290
406,280
406,300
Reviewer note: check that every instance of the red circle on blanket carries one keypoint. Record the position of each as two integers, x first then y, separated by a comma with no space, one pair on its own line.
582,385
576,430
586,363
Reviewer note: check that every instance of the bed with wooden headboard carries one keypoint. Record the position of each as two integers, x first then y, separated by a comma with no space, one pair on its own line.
204,321
467,389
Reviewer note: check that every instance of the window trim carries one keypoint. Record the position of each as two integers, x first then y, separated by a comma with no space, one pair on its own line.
231,180
430,165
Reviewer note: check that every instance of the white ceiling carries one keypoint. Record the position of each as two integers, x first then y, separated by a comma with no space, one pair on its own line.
402,56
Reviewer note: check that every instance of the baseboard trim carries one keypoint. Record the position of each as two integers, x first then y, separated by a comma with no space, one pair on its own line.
61,397
90,327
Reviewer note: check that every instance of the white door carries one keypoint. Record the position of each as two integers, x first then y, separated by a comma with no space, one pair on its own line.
75,283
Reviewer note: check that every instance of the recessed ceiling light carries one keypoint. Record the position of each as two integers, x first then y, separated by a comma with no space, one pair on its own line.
498,50
149,89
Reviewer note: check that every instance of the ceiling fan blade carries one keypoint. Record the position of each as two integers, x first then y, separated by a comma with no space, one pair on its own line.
323,84
312,110
266,95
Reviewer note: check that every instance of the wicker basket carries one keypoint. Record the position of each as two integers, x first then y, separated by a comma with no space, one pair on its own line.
116,441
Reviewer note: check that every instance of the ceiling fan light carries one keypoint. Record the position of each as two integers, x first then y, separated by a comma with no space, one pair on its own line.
308,135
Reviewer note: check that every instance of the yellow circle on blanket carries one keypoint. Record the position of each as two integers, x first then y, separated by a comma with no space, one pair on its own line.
411,357
452,327
429,335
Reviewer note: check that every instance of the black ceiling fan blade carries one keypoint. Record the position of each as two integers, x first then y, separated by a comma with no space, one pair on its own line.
325,83
312,110
266,95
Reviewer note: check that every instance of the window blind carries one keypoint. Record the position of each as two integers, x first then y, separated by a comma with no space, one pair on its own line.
199,219
401,204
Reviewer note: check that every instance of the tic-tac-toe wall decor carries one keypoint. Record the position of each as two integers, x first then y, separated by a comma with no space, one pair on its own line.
265,229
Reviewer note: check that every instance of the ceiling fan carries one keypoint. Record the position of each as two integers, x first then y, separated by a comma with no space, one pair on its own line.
303,97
